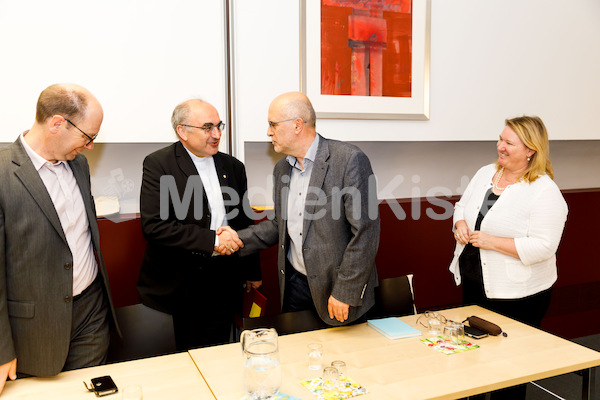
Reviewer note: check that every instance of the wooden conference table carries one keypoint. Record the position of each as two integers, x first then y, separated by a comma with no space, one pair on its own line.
169,377
404,369
407,369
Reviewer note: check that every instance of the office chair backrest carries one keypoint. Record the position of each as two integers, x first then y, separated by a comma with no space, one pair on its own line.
394,297
146,333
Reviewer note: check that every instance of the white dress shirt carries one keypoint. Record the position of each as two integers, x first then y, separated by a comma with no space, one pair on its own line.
210,181
66,196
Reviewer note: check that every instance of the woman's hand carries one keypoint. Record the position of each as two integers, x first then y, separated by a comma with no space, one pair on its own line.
462,234
482,240
486,241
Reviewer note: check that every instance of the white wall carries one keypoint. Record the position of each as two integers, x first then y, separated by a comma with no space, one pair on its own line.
489,60
421,169
139,58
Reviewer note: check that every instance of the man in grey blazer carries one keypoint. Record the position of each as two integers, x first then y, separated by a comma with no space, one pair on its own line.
326,218
54,292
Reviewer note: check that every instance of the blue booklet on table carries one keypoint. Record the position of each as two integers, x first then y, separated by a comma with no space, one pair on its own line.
393,328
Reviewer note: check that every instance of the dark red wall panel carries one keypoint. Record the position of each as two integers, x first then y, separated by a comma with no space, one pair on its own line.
414,243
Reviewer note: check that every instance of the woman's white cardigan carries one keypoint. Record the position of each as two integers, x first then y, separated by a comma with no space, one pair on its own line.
534,214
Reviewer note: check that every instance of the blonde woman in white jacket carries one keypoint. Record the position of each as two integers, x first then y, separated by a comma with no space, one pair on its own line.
507,227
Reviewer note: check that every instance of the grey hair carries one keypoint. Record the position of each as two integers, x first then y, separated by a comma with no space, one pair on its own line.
180,114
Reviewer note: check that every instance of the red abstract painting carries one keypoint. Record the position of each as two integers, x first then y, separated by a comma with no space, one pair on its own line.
366,47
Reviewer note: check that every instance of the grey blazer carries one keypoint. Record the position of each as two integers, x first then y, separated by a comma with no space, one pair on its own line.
339,248
36,275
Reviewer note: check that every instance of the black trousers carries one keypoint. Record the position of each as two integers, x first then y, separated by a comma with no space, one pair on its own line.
529,310
206,303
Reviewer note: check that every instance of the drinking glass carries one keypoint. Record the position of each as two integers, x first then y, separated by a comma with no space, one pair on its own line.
315,356
435,325
340,365
455,332
132,392
331,376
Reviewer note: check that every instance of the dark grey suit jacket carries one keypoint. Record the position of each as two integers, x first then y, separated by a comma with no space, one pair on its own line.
341,240
36,274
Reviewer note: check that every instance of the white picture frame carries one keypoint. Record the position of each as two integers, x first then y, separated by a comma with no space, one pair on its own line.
415,107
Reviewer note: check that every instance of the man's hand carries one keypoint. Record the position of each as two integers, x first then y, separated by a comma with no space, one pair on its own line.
252,285
229,242
337,309
8,371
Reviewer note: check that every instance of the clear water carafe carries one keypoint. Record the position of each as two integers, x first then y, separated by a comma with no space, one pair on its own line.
262,371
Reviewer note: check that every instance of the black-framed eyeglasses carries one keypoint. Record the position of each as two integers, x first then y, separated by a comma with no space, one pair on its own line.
208,128
272,124
92,138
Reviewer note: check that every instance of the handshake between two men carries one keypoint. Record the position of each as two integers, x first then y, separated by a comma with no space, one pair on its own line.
229,241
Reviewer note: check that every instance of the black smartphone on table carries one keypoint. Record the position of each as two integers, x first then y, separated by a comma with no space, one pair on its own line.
474,332
102,386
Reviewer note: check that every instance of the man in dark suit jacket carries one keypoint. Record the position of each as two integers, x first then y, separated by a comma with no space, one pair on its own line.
54,292
326,218
189,189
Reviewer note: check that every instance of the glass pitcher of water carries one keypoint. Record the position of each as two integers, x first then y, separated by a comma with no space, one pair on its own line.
262,371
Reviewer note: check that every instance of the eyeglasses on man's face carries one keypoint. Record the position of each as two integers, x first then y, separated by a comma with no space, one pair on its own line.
92,138
273,125
208,128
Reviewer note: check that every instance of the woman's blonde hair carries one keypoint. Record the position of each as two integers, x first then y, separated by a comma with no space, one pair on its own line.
532,132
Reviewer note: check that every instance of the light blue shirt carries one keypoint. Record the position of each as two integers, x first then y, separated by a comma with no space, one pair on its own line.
299,180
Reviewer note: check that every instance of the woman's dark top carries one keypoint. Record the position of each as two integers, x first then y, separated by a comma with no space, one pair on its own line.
470,261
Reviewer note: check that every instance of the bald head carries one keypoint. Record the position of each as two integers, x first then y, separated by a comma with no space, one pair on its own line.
70,100
291,124
296,105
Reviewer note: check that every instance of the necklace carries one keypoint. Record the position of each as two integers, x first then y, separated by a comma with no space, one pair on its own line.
497,189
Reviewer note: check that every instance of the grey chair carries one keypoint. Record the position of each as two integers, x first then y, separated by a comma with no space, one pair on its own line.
394,297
